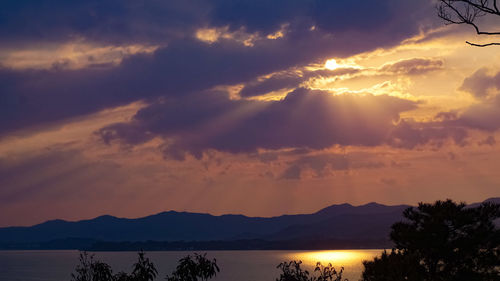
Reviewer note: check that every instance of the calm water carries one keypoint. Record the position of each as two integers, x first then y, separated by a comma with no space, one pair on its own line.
235,265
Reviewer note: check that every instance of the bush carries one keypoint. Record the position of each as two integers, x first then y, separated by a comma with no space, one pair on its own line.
94,270
194,269
91,270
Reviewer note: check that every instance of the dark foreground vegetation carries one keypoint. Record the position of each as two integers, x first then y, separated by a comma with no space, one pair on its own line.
444,241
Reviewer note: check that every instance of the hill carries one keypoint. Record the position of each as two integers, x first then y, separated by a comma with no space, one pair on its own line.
355,225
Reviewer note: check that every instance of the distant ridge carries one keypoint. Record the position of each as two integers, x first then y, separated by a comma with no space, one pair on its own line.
342,224
495,200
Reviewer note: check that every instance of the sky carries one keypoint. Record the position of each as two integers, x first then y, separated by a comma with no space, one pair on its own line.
254,107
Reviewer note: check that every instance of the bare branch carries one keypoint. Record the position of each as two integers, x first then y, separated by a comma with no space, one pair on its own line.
482,45
467,12
483,6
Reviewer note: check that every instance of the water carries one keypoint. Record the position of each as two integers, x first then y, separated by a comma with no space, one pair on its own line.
235,265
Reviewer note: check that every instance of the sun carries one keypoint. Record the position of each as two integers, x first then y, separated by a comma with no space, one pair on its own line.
331,64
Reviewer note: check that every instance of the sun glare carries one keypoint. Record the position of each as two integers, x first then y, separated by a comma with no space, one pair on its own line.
331,64
333,256
337,257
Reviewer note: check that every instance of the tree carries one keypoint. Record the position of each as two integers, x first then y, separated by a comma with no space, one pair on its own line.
392,266
291,271
144,269
468,12
440,242
90,269
197,268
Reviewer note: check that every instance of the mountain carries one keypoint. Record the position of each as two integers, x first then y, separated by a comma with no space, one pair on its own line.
494,200
334,222
365,224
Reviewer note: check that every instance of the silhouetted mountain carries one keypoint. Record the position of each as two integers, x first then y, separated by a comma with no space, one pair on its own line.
495,200
370,222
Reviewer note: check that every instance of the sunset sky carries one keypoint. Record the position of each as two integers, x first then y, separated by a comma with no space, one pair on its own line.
254,107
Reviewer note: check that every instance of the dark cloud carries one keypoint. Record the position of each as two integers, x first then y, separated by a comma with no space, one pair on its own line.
182,64
481,82
410,134
112,21
484,115
275,82
289,79
304,119
325,164
37,96
412,66
293,78
490,140
121,21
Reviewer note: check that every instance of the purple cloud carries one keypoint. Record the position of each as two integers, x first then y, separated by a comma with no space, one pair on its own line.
182,65
304,119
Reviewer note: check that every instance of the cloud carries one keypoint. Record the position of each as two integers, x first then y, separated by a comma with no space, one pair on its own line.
163,21
36,96
323,165
482,116
409,134
293,78
275,82
181,64
481,83
304,119
289,80
484,85
412,66
490,140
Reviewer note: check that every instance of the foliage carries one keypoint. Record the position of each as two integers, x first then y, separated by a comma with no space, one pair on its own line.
468,12
94,270
392,266
144,269
122,276
194,269
440,242
90,269
291,271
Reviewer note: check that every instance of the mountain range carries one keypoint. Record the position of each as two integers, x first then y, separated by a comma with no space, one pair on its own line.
345,222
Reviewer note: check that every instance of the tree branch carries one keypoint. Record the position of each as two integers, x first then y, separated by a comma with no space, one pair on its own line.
482,45
482,7
466,12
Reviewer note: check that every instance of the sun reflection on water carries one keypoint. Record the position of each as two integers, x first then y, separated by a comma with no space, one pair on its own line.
334,256
351,260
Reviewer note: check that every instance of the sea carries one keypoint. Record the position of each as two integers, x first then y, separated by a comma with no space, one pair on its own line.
234,265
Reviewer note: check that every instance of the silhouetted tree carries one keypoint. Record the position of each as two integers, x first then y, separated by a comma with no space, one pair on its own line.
392,266
122,276
94,270
144,269
291,271
91,270
442,241
194,269
467,12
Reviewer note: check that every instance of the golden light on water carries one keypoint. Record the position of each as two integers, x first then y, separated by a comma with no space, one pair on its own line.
334,256
350,260
338,258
